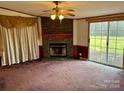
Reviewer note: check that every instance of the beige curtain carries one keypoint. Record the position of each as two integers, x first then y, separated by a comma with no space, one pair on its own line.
1,44
16,21
19,44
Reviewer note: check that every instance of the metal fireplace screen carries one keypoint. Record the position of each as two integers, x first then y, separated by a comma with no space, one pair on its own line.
58,50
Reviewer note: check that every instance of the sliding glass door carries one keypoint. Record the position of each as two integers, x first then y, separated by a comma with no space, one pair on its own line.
116,43
107,42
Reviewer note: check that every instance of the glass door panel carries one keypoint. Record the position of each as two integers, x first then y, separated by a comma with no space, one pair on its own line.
107,42
92,53
116,43
120,44
103,55
98,38
104,33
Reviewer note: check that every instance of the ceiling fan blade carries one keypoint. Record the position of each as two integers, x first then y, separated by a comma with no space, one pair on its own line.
71,10
47,11
67,10
70,14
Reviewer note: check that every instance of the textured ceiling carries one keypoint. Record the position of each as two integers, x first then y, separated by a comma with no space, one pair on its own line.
83,8
12,13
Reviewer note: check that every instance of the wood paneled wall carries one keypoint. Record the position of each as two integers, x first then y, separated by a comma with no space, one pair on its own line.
80,52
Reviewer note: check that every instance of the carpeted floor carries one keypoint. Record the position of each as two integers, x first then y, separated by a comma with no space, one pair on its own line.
61,75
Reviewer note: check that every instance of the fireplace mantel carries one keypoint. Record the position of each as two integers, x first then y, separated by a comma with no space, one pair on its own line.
58,35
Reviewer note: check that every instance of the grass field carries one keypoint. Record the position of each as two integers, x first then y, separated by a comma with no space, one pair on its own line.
99,43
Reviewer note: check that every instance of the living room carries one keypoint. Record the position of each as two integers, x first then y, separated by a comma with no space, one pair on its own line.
56,45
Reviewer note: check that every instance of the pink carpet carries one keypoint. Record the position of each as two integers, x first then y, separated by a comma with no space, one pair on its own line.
61,75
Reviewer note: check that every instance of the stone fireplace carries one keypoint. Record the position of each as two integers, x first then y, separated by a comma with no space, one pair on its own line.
58,50
57,38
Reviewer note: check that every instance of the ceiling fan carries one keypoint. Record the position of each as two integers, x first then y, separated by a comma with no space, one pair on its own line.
58,13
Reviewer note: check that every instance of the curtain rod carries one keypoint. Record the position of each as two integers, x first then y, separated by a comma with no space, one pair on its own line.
18,11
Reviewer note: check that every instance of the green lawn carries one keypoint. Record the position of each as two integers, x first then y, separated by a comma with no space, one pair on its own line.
100,43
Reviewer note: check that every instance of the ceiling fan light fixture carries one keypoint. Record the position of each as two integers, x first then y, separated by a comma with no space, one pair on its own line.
57,13
53,17
61,17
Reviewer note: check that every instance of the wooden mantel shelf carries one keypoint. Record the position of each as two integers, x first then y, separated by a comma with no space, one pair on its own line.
58,35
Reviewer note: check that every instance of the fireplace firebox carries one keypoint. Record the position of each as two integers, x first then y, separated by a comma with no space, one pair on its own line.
58,50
